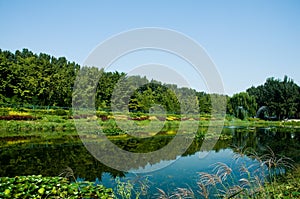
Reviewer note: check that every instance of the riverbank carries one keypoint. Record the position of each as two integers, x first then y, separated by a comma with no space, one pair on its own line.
46,127
15,123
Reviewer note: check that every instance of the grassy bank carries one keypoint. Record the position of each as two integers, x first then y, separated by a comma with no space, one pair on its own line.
24,125
12,120
286,186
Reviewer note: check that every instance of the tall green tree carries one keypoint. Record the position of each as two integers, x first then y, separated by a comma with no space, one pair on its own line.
242,105
280,96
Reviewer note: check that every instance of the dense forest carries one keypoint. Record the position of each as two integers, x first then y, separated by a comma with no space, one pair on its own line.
40,79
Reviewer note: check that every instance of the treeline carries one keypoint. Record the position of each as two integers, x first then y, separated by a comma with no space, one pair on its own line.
281,97
28,78
43,80
40,79
277,99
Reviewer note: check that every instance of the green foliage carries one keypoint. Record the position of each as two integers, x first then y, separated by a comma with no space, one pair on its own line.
4,111
242,105
113,131
45,123
282,97
229,117
129,189
50,187
60,112
204,102
253,119
287,186
29,79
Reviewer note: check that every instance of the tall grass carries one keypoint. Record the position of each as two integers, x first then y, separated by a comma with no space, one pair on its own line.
258,180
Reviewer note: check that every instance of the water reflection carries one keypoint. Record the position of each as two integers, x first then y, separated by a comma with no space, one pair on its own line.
51,160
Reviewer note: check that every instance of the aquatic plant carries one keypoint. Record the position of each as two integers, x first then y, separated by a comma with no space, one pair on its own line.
132,188
259,180
50,187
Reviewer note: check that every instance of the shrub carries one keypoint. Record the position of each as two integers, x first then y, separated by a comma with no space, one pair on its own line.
60,112
102,115
229,117
137,114
4,111
113,131
252,119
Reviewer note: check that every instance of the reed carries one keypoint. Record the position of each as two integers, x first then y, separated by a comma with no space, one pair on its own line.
258,180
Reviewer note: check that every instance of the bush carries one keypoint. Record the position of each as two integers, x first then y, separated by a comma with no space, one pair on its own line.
102,115
113,131
136,114
60,112
4,111
229,117
252,119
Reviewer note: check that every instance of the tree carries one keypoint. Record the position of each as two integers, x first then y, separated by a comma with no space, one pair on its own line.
41,79
241,105
280,96
204,102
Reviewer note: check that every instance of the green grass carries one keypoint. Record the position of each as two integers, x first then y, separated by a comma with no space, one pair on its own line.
287,186
58,123
59,119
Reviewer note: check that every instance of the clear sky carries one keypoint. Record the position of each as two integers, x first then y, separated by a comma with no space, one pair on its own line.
247,40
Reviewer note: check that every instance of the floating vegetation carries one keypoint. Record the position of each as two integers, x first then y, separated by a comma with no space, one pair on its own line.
50,187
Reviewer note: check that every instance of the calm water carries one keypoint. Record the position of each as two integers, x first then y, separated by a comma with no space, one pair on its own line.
51,159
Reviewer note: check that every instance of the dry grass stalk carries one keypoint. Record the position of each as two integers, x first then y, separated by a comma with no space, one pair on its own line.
203,190
209,179
222,170
184,193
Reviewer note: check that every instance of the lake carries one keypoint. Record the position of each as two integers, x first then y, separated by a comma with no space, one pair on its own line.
51,158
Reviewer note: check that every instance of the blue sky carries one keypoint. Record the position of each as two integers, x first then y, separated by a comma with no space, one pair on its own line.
247,40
